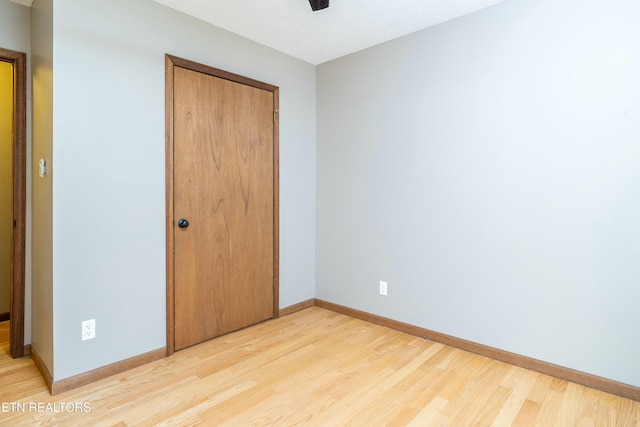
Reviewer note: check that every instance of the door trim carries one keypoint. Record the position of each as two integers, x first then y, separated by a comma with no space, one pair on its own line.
170,63
19,182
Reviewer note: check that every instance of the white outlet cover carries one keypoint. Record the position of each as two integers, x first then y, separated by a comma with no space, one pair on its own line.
383,288
88,329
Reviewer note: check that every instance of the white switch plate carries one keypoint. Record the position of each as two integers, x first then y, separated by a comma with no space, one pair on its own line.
42,168
383,288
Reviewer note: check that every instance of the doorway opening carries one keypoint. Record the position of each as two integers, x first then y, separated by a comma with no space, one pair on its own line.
14,157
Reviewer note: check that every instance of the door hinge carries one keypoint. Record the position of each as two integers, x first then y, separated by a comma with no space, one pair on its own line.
15,224
274,283
275,112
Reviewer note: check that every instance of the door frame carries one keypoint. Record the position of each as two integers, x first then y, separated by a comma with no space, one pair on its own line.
170,63
18,61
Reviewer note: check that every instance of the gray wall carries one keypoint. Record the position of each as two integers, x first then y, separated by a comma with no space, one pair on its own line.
14,31
108,169
488,168
15,34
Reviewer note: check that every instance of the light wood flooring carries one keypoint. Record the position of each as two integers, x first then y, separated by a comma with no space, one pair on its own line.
314,368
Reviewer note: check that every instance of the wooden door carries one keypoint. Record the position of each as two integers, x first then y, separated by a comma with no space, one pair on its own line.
223,205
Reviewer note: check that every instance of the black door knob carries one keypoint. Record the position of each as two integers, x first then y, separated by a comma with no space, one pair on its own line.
183,223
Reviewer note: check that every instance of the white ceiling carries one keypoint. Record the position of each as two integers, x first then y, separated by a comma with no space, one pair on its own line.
347,26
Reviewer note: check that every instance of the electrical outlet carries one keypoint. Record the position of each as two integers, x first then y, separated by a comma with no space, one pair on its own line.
383,288
88,329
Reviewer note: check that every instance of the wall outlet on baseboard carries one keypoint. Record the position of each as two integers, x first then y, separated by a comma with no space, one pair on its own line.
383,288
88,329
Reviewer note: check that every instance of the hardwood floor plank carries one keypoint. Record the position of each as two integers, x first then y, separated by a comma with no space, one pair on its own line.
527,414
431,414
470,404
520,381
568,411
551,403
607,413
413,365
316,368
626,412
587,407
540,388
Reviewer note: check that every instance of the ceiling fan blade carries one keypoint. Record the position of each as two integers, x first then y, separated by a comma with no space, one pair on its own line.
319,4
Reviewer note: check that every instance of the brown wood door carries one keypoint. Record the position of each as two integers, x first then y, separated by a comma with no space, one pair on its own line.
223,185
